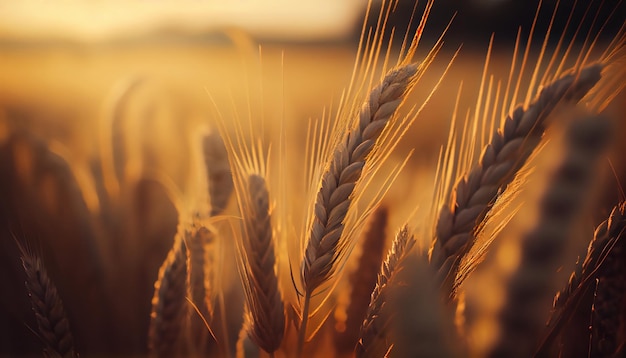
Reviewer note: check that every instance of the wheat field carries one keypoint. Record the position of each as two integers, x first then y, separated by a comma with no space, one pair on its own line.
396,195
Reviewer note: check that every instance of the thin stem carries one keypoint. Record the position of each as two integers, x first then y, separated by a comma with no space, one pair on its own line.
305,320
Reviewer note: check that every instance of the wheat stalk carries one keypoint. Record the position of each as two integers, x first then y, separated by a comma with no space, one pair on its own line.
324,245
373,326
520,317
510,147
52,324
168,302
265,308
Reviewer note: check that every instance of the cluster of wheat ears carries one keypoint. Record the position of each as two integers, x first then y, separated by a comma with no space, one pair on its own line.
416,301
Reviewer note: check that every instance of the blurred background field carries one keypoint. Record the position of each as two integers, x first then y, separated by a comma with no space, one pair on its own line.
64,67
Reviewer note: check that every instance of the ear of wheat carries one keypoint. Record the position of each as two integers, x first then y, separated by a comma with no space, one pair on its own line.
199,241
372,340
510,147
586,270
398,312
52,324
608,303
333,200
264,304
169,303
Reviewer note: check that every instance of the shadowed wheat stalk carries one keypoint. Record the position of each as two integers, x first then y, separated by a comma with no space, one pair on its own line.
201,245
608,304
586,272
52,324
373,328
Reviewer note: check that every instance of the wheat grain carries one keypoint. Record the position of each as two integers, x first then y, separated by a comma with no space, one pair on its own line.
510,147
520,317
373,330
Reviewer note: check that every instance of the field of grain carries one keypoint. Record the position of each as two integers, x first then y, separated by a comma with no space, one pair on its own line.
227,195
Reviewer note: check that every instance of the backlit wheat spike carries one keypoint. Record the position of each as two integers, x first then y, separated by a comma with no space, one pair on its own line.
325,246
529,287
363,280
510,147
52,324
169,303
373,329
265,308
